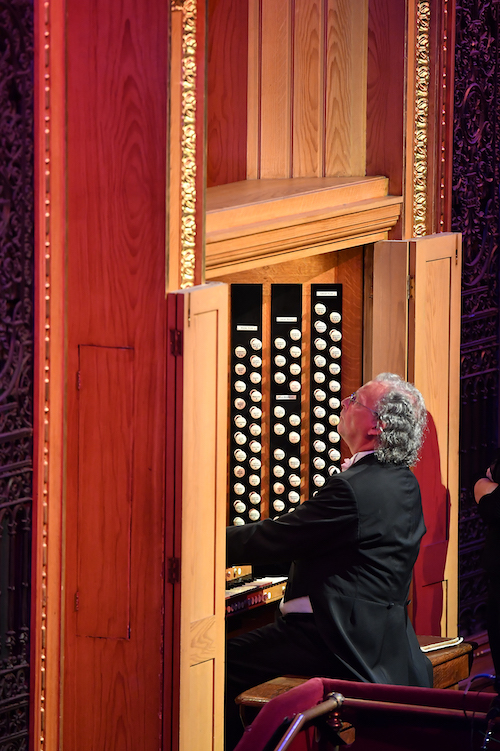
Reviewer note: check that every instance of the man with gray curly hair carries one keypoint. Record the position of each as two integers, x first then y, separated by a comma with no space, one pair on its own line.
353,547
402,416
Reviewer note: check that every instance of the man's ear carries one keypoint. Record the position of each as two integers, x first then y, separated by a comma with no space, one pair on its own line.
377,429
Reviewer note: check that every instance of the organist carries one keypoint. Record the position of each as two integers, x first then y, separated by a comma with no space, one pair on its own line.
353,547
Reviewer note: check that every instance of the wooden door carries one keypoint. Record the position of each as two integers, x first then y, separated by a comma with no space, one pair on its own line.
415,332
114,482
196,501
434,367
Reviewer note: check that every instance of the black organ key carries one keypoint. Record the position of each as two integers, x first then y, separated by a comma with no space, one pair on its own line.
286,387
326,383
246,396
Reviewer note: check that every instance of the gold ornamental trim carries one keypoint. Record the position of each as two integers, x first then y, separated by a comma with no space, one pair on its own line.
188,142
45,356
421,118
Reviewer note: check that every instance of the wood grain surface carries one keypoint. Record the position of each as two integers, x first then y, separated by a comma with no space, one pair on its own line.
276,90
304,79
227,65
385,92
116,148
308,83
105,460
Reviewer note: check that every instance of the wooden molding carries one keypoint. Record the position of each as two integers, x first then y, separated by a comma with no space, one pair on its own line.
260,222
50,249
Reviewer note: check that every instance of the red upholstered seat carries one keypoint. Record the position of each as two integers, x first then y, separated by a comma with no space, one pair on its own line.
270,717
385,718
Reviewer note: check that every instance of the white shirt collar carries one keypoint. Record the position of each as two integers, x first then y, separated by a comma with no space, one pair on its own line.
355,458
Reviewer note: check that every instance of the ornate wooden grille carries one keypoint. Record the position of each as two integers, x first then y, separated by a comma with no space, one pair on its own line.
16,364
476,206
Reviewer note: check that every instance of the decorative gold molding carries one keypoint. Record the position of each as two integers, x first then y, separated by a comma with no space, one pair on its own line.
45,277
188,142
421,118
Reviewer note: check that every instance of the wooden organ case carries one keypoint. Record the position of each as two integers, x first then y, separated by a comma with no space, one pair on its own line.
311,186
309,173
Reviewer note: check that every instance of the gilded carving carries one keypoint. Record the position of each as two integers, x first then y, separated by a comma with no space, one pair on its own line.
188,144
45,274
421,118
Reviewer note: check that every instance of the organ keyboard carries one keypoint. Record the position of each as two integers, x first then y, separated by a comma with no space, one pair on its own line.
255,593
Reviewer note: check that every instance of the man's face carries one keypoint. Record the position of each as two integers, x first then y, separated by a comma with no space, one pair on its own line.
358,425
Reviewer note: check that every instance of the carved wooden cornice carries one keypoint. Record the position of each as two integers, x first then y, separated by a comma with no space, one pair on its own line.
261,222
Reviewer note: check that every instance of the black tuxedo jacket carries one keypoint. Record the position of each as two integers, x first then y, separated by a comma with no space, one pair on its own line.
353,547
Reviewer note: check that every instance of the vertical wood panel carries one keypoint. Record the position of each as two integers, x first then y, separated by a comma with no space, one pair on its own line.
385,89
358,85
117,64
200,730
50,261
105,428
308,89
389,336
200,514
338,93
227,69
434,367
345,87
253,89
199,518
276,89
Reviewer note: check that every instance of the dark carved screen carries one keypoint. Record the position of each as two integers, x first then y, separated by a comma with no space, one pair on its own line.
476,182
16,364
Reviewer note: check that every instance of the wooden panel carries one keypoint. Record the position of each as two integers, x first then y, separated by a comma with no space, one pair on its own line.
49,426
253,90
203,640
387,340
308,101
117,66
204,717
307,63
227,67
385,87
345,90
276,147
105,427
434,366
199,523
201,516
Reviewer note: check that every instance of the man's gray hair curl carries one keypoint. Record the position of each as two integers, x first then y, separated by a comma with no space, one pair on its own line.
402,418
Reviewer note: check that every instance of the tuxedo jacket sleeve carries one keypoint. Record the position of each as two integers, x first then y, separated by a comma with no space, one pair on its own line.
353,548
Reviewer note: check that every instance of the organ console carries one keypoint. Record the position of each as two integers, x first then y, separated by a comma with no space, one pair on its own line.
271,396
286,381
